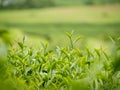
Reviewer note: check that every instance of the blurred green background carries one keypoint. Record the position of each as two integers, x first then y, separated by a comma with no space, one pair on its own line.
48,20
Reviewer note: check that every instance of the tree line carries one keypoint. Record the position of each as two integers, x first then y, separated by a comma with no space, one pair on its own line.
21,4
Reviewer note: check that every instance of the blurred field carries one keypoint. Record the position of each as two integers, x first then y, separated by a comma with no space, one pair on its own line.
79,14
94,22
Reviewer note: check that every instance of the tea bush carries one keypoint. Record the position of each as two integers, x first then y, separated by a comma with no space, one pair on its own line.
65,68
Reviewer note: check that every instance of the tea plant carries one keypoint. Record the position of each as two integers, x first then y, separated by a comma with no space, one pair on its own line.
65,68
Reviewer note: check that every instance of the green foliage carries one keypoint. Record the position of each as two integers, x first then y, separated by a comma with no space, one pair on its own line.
65,68
72,42
22,4
8,82
5,36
